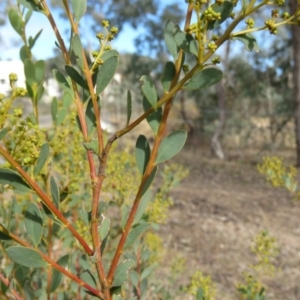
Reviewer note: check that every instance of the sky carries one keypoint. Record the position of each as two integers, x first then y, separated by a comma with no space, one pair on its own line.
9,47
124,42
11,41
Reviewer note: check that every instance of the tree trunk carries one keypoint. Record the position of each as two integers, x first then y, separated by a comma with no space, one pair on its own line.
216,146
296,80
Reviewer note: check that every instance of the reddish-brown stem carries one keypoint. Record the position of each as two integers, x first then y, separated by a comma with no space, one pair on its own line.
49,248
57,266
96,182
89,80
45,199
13,291
175,86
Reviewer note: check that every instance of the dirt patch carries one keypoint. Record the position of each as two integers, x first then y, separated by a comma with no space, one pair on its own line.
217,212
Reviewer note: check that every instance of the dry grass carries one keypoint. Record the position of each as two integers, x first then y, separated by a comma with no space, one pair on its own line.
218,211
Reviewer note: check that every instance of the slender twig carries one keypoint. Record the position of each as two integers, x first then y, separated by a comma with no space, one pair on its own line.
151,163
6,282
57,266
45,199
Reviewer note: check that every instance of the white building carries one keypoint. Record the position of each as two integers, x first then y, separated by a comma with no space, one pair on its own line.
8,67
16,66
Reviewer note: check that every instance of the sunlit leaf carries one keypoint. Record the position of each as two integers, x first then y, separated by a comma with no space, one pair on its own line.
204,78
78,49
54,192
106,73
142,207
61,115
34,223
92,145
43,156
15,21
79,8
104,227
89,278
31,5
248,40
135,232
122,271
26,257
154,118
32,41
171,145
169,32
54,106
186,41
149,90
149,180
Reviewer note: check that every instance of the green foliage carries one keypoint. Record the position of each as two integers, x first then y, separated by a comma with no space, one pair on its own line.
89,208
279,175
266,250
201,286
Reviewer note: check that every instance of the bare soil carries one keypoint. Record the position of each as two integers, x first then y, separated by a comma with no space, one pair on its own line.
219,209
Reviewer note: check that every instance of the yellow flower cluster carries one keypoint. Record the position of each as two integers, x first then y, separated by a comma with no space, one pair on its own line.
204,282
265,249
155,246
278,174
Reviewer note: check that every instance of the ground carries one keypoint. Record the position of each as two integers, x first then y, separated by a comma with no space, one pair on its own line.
218,210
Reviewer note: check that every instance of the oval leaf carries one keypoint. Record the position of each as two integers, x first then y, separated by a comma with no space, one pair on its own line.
43,156
135,233
32,41
248,40
153,119
60,78
79,9
31,5
168,75
54,191
142,153
56,275
129,107
14,179
108,54
142,207
77,49
186,42
26,257
106,73
73,73
204,78
171,145
34,223
104,227
149,90
122,272
169,32
15,21
149,181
